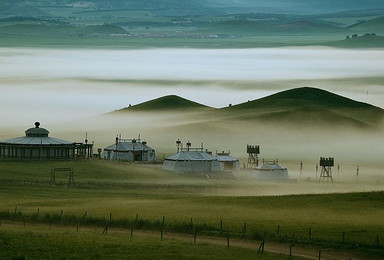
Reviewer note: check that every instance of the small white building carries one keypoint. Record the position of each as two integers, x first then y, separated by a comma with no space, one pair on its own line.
270,170
227,162
130,150
191,160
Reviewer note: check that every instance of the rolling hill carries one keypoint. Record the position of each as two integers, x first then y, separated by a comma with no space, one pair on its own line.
166,103
300,107
255,28
304,105
371,26
36,27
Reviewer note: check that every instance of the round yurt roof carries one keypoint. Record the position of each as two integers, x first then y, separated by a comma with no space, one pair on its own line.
36,136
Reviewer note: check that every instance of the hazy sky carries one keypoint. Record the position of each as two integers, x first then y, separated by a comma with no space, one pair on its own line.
53,84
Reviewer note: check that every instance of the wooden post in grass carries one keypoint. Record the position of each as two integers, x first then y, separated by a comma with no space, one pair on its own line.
105,230
38,212
61,214
278,229
290,251
377,240
261,247
137,218
191,223
15,210
194,237
228,241
110,216
221,226
244,228
85,214
132,230
310,233
319,254
161,234
163,220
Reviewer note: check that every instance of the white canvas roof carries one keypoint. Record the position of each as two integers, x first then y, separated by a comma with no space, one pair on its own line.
226,158
270,166
191,156
128,146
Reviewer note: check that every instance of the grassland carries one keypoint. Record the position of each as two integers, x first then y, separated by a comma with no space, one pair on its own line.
38,242
127,190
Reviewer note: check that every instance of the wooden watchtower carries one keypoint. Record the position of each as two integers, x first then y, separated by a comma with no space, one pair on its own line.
326,165
253,152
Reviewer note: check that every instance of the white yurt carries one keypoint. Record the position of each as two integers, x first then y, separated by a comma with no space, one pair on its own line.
191,160
130,150
270,170
227,162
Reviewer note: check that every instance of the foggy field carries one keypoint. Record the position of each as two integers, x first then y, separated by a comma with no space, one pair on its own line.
126,190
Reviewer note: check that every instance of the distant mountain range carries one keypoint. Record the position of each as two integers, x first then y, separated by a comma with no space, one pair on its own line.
301,105
270,6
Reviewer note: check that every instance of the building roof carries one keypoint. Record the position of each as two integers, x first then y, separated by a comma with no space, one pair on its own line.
270,166
191,156
128,146
36,141
36,136
225,158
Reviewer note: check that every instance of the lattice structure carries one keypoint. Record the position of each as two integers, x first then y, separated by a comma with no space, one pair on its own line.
253,152
326,165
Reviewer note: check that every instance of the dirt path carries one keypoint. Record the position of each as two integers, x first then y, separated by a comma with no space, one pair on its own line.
273,247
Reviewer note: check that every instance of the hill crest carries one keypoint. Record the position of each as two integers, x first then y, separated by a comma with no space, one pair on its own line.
166,103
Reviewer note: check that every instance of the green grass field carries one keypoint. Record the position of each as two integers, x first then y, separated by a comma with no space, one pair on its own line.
126,190
37,242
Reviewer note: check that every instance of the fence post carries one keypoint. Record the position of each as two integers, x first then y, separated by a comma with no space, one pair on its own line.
310,233
191,223
161,234
137,217
228,241
38,212
244,228
290,251
194,237
343,237
15,210
377,240
261,247
163,220
132,230
319,254
221,226
278,229
110,216
61,214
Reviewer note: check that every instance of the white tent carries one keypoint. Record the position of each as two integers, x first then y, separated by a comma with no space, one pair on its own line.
227,162
270,170
130,151
191,161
